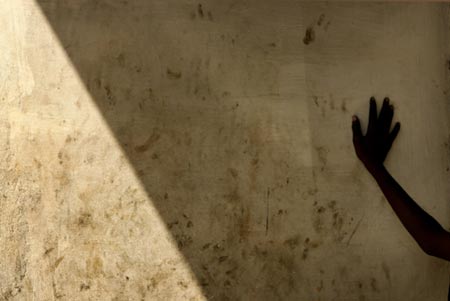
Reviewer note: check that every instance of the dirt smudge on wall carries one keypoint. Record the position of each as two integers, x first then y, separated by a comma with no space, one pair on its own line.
309,36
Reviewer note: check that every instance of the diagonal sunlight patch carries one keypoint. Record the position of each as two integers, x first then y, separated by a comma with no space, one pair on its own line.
93,229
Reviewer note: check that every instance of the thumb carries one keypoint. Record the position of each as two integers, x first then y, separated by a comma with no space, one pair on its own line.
356,127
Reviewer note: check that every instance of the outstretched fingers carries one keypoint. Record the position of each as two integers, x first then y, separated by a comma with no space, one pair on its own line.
394,133
386,115
356,128
372,116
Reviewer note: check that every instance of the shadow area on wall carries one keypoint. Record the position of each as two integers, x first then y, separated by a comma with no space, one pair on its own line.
181,97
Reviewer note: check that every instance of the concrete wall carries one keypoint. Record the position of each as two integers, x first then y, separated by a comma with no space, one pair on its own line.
181,150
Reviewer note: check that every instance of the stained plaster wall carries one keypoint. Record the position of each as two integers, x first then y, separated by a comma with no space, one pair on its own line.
181,150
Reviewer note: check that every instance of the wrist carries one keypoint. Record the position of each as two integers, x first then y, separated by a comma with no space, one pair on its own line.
376,168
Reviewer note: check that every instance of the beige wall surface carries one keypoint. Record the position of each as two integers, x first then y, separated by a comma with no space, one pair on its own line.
181,150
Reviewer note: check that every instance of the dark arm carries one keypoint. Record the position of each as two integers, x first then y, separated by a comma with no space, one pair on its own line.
372,150
428,233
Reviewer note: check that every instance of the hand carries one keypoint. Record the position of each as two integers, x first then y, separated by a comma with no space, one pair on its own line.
373,148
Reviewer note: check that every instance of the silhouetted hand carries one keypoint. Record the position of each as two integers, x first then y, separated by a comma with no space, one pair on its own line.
373,148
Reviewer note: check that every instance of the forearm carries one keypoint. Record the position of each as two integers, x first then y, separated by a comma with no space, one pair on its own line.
417,222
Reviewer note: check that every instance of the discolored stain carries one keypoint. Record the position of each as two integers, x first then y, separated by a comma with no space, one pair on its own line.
109,96
217,247
149,142
321,18
338,222
172,224
305,253
233,172
315,98
386,271
335,217
141,103
313,191
200,10
210,17
84,220
281,211
243,222
343,106
183,240
151,96
57,262
56,294
222,258
48,251
373,284
182,284
232,270
293,242
60,157
121,59
319,288
37,162
322,153
332,204
328,222
354,231
84,287
173,75
157,278
309,36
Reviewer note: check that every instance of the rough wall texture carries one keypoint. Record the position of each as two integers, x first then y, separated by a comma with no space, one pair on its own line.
180,150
